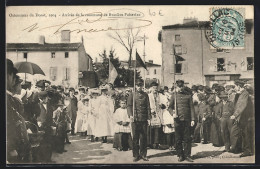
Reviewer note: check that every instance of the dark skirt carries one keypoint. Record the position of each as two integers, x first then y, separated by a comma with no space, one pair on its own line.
215,133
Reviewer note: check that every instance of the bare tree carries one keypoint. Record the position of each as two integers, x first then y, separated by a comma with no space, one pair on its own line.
127,39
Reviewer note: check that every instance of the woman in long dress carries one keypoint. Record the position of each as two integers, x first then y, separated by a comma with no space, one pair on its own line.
92,115
79,120
104,121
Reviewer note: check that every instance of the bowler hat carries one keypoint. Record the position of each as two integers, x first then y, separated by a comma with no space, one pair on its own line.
214,86
81,88
194,88
180,83
240,82
40,84
222,94
200,87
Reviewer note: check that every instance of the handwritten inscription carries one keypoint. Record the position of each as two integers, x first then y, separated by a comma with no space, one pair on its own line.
96,22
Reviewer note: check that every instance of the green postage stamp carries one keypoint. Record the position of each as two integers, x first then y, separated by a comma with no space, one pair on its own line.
228,28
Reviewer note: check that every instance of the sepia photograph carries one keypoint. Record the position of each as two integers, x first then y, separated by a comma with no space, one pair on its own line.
130,84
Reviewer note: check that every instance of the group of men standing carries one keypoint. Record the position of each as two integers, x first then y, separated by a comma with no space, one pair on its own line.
235,119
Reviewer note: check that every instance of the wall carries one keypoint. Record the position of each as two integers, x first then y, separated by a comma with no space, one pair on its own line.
44,60
193,61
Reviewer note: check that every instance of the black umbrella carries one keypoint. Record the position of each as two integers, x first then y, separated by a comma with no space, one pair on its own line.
28,67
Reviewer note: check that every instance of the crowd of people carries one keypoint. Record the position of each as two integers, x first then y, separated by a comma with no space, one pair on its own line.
40,119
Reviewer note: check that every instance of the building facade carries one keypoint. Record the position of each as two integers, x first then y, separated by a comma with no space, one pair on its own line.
62,62
199,63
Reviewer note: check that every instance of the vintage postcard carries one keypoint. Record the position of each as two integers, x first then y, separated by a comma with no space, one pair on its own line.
130,84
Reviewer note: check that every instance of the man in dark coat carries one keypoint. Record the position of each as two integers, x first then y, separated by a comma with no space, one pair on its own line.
225,110
15,124
183,121
244,118
72,109
139,117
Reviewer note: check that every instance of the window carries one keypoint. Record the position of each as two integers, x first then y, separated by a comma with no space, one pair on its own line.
178,67
53,73
66,54
66,73
155,71
221,64
147,72
177,37
250,63
178,49
52,54
25,55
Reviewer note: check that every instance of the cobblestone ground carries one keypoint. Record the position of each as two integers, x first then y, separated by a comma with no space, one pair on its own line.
82,151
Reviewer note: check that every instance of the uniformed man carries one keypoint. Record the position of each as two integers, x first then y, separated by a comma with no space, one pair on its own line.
183,121
244,118
72,109
139,118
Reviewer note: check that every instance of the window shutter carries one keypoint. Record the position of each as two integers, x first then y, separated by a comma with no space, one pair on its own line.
184,49
244,64
68,73
215,65
228,65
64,73
184,67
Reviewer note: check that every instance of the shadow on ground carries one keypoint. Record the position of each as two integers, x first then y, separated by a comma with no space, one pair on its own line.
204,154
169,153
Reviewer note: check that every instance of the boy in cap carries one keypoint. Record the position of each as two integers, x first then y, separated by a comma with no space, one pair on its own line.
203,119
226,109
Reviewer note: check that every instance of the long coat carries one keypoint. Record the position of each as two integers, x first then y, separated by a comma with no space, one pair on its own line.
185,108
244,108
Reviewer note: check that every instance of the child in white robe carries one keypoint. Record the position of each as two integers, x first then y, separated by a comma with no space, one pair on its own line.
168,127
122,138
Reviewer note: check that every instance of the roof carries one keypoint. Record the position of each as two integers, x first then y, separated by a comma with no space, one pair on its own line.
42,47
200,24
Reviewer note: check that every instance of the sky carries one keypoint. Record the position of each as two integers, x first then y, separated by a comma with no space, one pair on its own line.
19,20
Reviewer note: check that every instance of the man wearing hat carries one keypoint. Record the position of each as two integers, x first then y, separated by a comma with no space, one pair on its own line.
13,117
139,117
72,109
45,122
155,123
244,118
183,122
225,109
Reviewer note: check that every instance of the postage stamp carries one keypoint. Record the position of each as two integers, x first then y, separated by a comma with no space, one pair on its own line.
228,28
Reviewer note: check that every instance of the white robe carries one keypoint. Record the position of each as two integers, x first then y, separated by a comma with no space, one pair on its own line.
80,117
167,119
121,115
92,116
104,121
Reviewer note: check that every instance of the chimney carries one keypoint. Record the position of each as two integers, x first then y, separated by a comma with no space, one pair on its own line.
189,19
96,60
65,36
150,61
42,40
